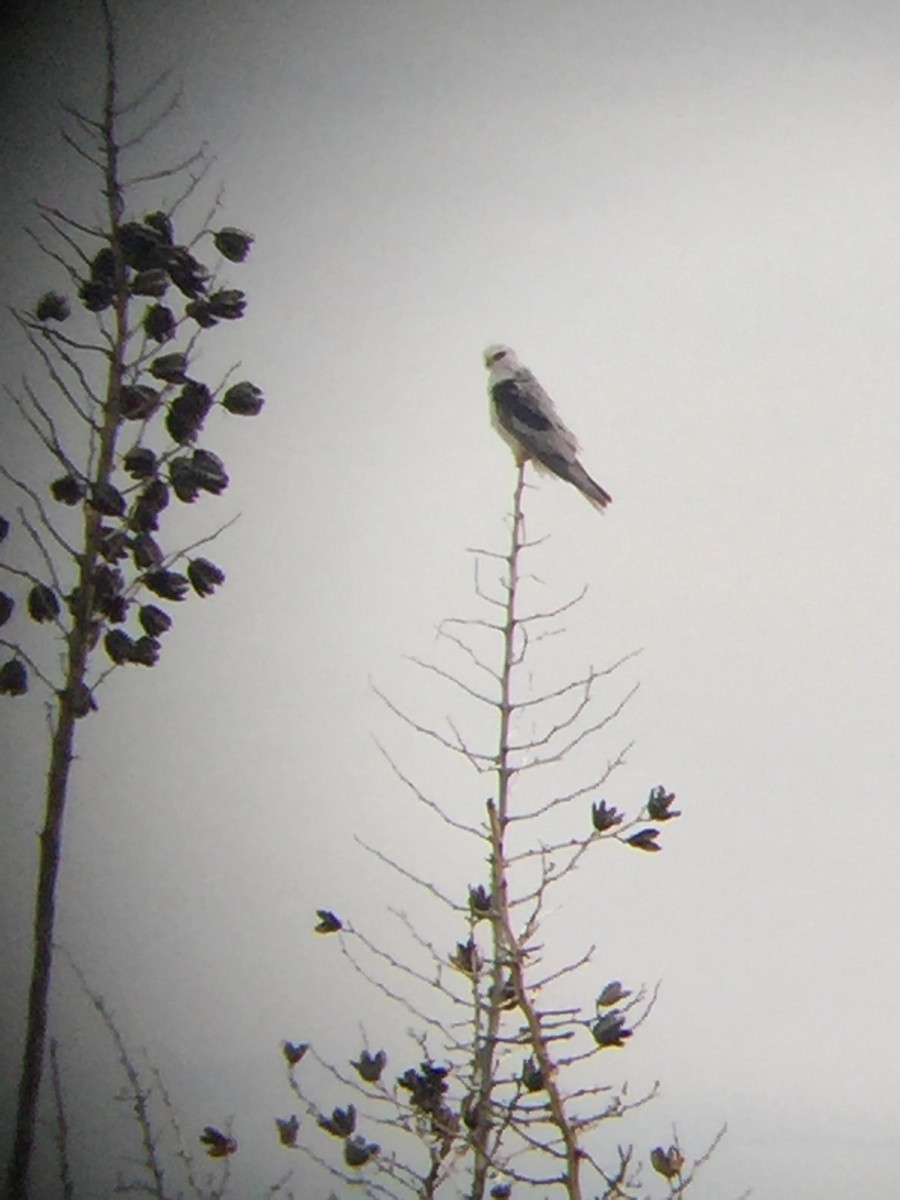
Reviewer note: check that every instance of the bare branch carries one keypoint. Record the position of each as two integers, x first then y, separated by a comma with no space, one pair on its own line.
552,613
168,172
42,549
45,520
505,557
61,1125
104,675
20,653
422,798
211,212
61,339
156,121
403,1001
592,675
193,184
62,386
56,256
471,756
49,218
87,123
80,151
575,965
210,537
558,801
47,211
558,726
427,666
467,649
413,878
370,1187
139,1094
181,1151
155,84
700,1162
403,968
471,623
485,595
48,437
585,733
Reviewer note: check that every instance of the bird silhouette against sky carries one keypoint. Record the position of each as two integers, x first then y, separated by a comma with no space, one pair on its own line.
526,418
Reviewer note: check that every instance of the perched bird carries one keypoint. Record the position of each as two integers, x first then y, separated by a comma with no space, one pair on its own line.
526,418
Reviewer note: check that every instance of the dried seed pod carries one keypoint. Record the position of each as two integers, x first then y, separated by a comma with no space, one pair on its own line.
42,604
170,367
107,500
152,282
205,576
159,323
209,471
243,399
69,489
140,462
232,243
167,584
153,620
145,652
13,678
52,307
118,646
137,402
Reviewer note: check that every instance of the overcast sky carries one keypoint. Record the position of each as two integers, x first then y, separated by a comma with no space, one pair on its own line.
685,217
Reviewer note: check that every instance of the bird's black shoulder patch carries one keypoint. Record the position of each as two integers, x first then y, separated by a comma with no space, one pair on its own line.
512,403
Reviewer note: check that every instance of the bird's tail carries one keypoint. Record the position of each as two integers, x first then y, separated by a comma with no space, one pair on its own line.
598,496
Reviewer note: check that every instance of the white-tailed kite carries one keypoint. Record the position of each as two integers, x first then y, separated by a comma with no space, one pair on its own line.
526,418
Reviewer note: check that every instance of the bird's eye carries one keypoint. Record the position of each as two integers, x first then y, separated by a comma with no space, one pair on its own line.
496,357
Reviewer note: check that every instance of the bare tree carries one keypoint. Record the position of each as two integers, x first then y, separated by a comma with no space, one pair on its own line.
508,1085
165,1167
119,422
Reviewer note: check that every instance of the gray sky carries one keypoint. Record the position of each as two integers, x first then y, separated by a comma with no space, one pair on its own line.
684,217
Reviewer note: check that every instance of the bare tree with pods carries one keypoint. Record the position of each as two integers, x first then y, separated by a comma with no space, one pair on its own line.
501,1094
118,412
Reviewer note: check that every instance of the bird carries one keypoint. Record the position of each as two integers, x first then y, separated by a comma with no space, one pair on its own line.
526,418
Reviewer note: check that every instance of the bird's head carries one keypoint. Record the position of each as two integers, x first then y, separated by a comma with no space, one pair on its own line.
500,356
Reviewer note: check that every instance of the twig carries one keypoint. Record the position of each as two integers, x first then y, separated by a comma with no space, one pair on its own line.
410,875
139,1094
429,803
167,172
35,669
61,1125
156,121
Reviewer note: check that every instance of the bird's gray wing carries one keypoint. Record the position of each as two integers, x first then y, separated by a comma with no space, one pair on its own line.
525,410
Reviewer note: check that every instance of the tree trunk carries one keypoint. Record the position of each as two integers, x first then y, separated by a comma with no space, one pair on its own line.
80,642
44,919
